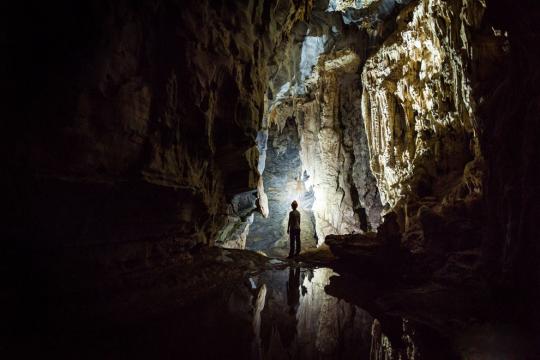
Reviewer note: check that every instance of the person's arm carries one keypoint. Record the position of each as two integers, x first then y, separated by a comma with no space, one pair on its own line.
289,224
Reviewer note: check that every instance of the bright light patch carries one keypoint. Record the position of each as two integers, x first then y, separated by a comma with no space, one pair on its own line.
295,191
342,5
312,47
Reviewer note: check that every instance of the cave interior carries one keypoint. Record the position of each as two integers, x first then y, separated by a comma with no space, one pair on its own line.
154,148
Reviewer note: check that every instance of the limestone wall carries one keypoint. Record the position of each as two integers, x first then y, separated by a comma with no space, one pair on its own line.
419,109
140,124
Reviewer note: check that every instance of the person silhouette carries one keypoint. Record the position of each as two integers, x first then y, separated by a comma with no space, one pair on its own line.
293,228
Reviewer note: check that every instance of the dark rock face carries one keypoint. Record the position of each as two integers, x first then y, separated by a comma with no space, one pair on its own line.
377,253
507,82
140,125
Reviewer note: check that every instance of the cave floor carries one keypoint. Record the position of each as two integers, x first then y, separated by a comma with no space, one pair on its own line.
309,250
239,304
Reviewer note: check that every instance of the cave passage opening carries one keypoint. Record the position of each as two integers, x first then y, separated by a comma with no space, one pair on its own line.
312,144
285,181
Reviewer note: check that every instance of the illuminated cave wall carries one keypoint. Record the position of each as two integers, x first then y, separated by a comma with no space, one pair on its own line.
284,182
420,113
320,88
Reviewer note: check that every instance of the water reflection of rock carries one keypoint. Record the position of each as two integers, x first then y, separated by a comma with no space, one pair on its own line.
301,321
274,312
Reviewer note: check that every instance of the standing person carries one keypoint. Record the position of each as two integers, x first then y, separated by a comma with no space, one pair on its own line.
293,228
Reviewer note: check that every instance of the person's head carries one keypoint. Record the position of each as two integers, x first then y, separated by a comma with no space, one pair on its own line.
294,205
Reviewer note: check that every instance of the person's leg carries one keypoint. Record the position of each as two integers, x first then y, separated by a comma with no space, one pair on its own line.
298,244
291,243
296,241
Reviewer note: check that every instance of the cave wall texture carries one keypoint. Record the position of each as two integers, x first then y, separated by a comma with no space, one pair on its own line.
137,127
508,114
449,117
420,113
322,93
137,122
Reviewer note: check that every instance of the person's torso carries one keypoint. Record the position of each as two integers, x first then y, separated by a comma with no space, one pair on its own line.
294,217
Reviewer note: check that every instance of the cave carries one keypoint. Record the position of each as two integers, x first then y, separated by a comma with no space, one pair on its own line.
154,148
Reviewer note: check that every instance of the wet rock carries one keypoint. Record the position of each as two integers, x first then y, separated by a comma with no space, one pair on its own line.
354,245
380,251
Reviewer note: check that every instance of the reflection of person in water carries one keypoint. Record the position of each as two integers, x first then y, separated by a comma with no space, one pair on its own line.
293,289
293,228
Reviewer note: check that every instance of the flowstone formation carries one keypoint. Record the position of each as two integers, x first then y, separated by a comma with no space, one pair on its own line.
334,147
420,117
322,92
